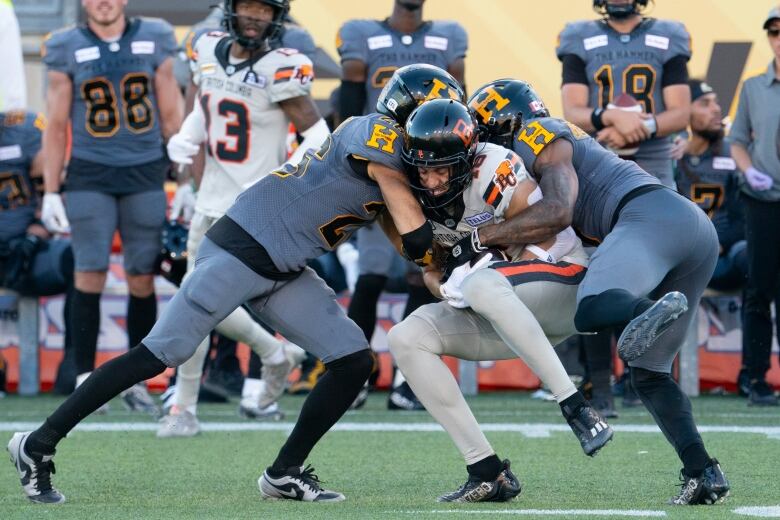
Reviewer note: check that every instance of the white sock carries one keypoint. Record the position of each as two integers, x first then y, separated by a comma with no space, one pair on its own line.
250,393
81,378
188,376
398,379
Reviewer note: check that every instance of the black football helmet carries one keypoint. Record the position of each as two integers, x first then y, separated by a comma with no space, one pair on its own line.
440,132
172,260
619,11
503,106
230,21
413,84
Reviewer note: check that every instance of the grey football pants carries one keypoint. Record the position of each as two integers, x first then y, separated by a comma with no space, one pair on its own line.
303,309
661,242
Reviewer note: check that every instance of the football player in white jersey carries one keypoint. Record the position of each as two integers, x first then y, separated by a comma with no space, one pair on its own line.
247,96
503,304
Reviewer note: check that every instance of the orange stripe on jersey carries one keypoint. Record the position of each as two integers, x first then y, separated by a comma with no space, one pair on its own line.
494,193
282,74
560,269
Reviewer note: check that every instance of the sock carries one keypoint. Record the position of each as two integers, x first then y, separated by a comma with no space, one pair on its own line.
326,403
571,403
141,315
695,459
252,389
84,324
80,378
188,376
487,469
612,308
105,383
671,409
398,379
362,306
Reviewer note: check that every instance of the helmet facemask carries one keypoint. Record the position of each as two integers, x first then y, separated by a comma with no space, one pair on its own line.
267,30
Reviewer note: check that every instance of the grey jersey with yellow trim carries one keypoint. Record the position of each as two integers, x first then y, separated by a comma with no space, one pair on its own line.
604,178
383,49
20,141
304,211
114,112
630,63
711,180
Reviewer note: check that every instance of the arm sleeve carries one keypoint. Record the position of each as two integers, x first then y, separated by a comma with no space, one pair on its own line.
293,79
55,53
675,71
352,99
350,42
741,127
166,45
573,70
459,43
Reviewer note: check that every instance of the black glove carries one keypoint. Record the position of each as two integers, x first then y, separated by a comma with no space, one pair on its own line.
20,261
464,250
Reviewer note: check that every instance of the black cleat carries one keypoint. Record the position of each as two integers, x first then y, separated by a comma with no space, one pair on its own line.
402,398
297,483
34,471
761,394
641,333
590,428
503,489
712,487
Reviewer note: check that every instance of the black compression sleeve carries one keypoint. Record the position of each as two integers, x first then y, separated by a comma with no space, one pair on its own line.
675,71
573,70
417,243
352,99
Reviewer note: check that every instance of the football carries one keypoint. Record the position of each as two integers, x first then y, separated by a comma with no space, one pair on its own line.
629,104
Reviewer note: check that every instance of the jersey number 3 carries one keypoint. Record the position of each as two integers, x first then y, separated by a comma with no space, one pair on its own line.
102,118
237,129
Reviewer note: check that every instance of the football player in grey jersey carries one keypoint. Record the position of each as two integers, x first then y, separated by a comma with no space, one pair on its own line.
624,80
656,254
708,175
110,87
370,51
257,254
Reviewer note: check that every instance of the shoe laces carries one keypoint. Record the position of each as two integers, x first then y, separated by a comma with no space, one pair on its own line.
310,478
43,472
688,487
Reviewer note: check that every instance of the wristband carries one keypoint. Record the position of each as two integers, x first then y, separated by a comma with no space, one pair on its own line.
596,118
651,125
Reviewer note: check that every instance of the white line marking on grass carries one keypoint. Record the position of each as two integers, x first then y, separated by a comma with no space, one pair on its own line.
549,512
540,430
761,511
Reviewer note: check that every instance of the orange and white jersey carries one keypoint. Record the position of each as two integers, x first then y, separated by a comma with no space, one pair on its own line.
496,173
247,129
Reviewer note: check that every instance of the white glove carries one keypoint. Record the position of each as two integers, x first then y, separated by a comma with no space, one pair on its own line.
451,291
758,180
53,214
183,203
181,150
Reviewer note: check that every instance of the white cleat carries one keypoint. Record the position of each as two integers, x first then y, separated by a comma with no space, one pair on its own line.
249,410
34,472
297,483
181,424
275,379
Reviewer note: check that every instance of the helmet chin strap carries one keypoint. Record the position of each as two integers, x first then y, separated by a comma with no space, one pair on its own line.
621,12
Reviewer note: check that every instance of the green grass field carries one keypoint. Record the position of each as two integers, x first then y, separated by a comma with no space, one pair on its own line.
392,474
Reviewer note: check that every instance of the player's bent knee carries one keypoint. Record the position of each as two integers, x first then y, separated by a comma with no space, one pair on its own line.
405,339
357,365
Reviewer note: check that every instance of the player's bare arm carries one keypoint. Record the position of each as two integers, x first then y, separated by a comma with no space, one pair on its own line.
458,69
169,100
58,100
551,215
575,109
677,99
302,111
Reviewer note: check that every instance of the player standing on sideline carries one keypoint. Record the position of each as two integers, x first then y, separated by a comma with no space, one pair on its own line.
491,309
371,50
627,54
624,81
112,81
257,253
247,96
649,266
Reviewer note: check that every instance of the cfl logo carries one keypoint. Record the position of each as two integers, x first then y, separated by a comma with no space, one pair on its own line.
457,251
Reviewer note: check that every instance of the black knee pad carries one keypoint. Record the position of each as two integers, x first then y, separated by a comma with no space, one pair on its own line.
612,308
358,365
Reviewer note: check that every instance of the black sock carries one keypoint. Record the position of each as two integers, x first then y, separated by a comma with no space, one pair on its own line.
331,397
571,403
695,459
418,296
362,306
105,383
84,324
612,308
141,315
487,469
671,409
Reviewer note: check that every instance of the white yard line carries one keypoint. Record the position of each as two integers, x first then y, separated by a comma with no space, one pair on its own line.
759,511
548,512
538,430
